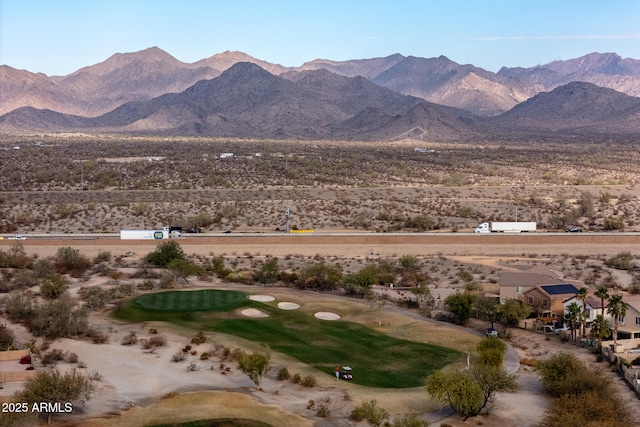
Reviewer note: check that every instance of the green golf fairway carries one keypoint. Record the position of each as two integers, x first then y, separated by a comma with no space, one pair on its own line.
202,300
377,360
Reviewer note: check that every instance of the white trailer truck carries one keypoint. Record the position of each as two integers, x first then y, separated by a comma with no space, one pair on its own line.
505,227
165,233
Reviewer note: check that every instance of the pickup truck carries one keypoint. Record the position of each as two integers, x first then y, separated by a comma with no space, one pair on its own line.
548,329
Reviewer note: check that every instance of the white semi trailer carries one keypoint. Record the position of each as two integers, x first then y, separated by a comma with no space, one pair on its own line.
505,227
165,233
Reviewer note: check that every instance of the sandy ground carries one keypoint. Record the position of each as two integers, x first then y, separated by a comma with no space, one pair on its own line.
134,381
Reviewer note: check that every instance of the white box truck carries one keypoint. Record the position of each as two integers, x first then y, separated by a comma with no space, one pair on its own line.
165,233
505,227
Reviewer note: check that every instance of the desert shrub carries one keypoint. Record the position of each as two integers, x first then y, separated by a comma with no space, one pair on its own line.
199,338
158,341
6,338
296,379
309,381
371,412
613,223
178,356
97,337
130,339
25,360
320,276
205,355
43,267
146,285
71,357
24,279
58,318
192,367
53,286
323,411
55,355
268,272
410,420
621,261
103,256
284,374
70,261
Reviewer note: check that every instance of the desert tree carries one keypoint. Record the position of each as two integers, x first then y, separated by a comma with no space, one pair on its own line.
424,298
182,267
268,272
53,386
165,253
487,308
460,305
254,365
512,311
360,283
320,276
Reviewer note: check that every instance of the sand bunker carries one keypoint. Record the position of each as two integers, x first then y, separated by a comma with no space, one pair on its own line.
288,306
253,312
326,315
261,298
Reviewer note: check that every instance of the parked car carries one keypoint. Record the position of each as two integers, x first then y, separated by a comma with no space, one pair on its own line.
491,332
573,229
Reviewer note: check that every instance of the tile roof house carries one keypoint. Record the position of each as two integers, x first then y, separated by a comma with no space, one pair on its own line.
513,285
550,298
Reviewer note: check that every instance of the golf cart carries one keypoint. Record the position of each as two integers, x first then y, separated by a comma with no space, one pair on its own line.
346,373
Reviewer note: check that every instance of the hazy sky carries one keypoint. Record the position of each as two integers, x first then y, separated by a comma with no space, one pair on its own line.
57,37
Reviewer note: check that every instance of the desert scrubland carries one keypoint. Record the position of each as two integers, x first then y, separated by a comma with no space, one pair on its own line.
102,184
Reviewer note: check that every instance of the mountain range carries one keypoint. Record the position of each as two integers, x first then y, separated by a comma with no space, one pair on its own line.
233,94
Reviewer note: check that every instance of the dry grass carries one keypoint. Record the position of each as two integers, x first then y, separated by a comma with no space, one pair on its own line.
201,406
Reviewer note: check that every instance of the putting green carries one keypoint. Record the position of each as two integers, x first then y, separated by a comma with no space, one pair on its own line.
203,300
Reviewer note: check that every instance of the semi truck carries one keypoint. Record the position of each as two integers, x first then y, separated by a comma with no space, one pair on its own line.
505,227
164,233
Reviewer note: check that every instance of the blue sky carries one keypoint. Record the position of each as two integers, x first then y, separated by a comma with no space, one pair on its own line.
57,37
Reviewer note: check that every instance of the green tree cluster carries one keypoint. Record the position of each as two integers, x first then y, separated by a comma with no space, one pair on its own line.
460,305
581,396
469,391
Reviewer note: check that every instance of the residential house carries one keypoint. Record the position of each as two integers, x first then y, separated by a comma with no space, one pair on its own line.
594,306
513,285
629,326
548,300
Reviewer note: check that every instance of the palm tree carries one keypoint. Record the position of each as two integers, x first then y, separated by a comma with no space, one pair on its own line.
602,292
601,329
617,308
583,293
572,316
